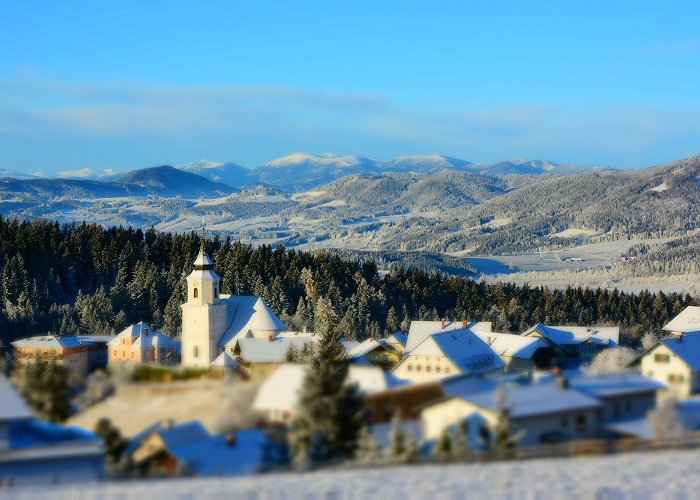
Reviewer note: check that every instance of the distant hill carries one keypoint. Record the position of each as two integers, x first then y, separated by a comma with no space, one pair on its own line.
161,181
538,167
170,181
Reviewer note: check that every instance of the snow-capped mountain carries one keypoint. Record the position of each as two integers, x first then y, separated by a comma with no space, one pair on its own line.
523,166
428,163
231,174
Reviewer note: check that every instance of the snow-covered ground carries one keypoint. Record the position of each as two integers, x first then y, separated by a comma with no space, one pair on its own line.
634,475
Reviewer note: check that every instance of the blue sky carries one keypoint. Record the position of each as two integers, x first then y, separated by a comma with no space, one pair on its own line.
135,84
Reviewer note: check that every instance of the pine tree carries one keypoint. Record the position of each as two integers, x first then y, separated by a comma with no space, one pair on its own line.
115,444
329,411
44,385
460,446
396,451
503,439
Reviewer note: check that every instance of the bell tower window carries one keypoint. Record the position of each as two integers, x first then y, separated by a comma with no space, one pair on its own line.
195,351
216,292
195,293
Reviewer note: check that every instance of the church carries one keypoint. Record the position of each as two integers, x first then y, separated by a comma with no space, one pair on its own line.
213,323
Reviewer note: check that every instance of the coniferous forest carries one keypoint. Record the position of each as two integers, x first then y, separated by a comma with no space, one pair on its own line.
86,279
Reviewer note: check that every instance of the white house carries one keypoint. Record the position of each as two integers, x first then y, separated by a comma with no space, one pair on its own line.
573,345
213,322
518,352
278,394
450,352
420,330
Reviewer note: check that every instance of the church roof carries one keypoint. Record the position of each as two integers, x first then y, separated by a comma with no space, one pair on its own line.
242,317
203,260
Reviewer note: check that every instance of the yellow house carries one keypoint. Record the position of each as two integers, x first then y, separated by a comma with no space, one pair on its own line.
448,353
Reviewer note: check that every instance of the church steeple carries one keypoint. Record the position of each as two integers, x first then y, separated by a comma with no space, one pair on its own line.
203,282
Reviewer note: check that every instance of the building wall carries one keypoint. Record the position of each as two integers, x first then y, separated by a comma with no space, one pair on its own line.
260,371
575,424
422,368
662,365
124,351
627,406
202,327
75,359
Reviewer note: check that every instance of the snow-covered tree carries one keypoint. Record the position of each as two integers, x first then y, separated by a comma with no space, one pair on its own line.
611,360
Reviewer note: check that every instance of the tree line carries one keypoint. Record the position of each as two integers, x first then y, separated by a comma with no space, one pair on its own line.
85,279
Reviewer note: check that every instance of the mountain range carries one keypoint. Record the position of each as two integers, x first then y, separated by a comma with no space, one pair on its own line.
298,172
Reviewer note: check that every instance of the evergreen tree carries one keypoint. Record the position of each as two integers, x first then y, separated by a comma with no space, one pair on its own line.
368,449
329,411
115,444
503,439
443,446
460,446
44,385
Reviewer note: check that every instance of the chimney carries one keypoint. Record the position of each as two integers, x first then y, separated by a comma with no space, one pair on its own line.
562,382
556,371
464,323
269,338
231,439
442,324
680,336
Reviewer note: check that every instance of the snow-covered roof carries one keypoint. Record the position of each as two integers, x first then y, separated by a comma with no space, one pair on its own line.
368,346
280,390
530,400
255,350
146,337
244,314
573,335
12,406
48,342
420,330
399,337
512,346
464,348
224,360
205,454
614,384
687,348
203,260
688,320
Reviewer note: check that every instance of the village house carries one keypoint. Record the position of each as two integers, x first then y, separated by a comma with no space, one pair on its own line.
277,397
575,345
675,362
550,409
169,449
213,322
688,320
450,352
36,452
375,352
78,354
140,343
421,330
517,352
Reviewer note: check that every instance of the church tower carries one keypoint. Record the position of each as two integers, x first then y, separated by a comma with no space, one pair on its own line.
203,315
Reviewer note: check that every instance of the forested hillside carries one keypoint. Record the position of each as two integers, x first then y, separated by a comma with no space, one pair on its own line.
87,279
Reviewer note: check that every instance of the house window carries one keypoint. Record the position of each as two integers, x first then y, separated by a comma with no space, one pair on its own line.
564,422
132,355
447,369
115,353
418,368
681,378
671,378
216,292
427,368
195,293
438,369
195,351
628,405
409,368
662,358
581,423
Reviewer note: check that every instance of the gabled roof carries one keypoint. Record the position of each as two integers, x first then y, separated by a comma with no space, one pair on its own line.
13,407
420,330
224,360
688,320
146,337
687,348
512,346
464,348
398,336
48,342
614,384
530,400
574,335
368,346
244,314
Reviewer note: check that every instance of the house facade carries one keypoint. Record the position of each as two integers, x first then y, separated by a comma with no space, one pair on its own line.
140,343
67,351
448,353
675,362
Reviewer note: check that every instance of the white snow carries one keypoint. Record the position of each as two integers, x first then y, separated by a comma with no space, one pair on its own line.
633,475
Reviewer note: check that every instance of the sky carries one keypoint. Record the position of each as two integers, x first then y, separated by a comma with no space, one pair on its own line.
88,85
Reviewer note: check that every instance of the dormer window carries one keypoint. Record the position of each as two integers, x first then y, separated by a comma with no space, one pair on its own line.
195,293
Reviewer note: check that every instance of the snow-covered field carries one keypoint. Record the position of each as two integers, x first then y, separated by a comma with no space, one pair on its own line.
634,475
